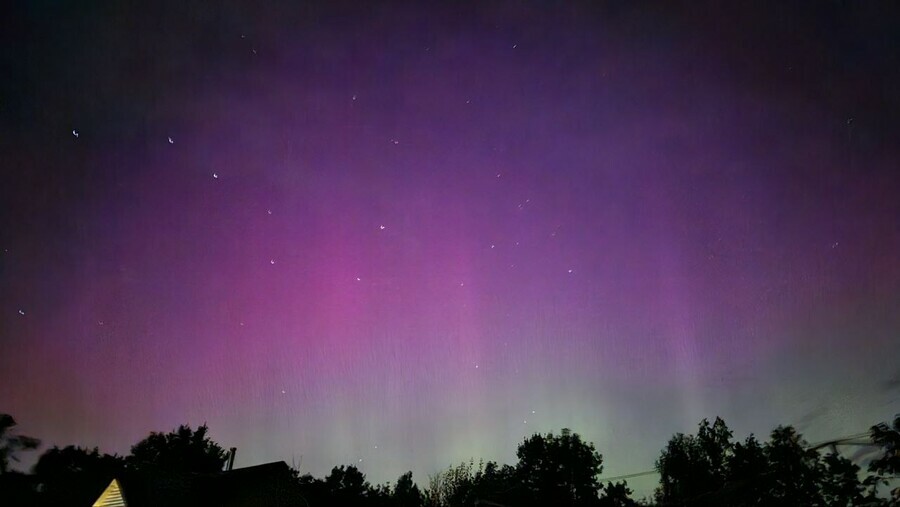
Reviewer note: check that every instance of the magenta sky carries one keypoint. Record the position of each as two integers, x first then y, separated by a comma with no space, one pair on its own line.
411,235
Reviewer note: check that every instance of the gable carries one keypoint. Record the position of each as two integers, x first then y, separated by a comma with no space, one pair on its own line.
111,497
266,485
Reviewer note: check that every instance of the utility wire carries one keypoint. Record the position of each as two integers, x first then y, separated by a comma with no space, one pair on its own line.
629,476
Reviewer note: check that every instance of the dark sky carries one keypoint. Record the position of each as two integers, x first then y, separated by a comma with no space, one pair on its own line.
404,235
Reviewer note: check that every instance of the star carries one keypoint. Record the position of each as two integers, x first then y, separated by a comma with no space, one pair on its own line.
21,312
74,132
282,391
381,227
215,176
268,211
532,411
492,246
272,261
570,271
358,279
354,97
171,141
476,366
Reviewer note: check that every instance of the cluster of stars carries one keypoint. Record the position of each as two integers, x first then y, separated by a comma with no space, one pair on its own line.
381,227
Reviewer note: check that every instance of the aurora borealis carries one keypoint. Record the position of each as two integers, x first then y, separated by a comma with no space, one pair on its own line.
404,235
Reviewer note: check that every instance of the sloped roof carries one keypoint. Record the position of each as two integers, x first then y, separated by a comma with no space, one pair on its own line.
267,485
111,496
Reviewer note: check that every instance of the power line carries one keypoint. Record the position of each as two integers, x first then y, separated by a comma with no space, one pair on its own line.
629,476
839,441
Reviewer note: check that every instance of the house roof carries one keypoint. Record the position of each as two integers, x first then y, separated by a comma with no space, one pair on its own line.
267,485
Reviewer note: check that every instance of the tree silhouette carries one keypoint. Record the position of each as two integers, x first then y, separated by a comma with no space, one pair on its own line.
716,448
380,495
747,468
347,485
179,451
313,490
16,488
887,466
793,470
11,444
710,470
406,493
73,475
692,466
498,484
469,484
454,486
840,484
684,470
617,495
560,470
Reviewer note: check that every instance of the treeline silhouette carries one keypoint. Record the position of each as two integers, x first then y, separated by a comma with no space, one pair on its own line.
709,468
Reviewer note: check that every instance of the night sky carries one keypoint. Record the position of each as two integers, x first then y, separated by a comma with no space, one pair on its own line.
401,236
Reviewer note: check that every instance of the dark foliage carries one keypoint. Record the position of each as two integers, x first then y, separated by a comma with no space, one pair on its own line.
348,486
617,495
560,469
182,450
18,489
406,493
691,466
708,469
887,466
11,444
552,470
469,484
74,476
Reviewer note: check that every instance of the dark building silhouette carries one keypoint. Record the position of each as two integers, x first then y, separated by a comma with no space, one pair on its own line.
267,485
